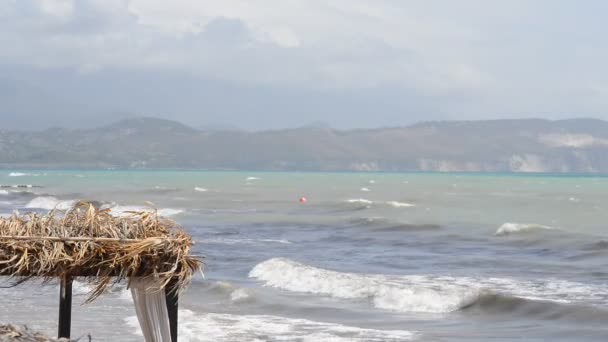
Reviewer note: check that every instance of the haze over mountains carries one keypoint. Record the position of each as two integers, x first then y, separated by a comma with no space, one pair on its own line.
526,145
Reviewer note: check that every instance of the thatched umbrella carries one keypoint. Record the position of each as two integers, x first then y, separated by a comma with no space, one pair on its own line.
101,249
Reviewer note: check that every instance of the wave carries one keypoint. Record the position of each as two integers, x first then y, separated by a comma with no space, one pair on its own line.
365,189
20,186
125,210
221,327
199,189
420,293
239,295
385,294
513,228
249,179
362,203
3,192
396,204
50,203
22,174
161,188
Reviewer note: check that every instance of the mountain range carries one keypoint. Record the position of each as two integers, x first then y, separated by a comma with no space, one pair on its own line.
530,145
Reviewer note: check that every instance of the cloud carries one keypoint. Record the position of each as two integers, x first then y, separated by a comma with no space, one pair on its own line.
472,58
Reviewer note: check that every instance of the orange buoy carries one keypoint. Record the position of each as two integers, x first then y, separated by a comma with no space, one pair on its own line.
303,200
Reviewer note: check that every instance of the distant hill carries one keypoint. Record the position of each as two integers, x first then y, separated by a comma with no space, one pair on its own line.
535,145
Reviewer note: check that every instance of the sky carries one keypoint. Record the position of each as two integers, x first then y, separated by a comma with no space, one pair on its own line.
286,63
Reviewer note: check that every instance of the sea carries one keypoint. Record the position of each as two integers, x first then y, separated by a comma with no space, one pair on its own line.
347,256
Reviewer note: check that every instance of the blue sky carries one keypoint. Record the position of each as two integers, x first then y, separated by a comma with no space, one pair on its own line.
284,63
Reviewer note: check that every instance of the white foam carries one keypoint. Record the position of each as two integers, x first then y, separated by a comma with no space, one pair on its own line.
50,203
365,189
21,174
368,203
359,200
420,293
239,295
126,210
199,189
249,179
511,228
195,327
3,192
396,204
396,293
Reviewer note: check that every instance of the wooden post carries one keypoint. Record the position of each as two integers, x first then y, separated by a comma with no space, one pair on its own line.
65,307
171,298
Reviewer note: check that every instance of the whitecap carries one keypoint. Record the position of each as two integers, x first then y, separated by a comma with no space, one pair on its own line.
199,189
420,293
365,189
20,174
239,295
222,327
50,203
252,179
511,228
397,294
125,210
396,204
359,200
3,192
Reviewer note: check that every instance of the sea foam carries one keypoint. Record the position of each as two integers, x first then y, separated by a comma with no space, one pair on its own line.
420,293
21,174
512,228
386,293
221,327
125,210
50,203
396,204
369,203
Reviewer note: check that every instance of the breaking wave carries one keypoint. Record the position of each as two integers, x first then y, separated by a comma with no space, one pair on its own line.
21,174
362,203
125,210
50,203
513,228
420,293
384,292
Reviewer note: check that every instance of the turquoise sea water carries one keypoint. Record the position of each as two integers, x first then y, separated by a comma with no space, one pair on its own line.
368,257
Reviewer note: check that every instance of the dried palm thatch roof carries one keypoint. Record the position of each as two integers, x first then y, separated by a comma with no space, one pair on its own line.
12,333
89,242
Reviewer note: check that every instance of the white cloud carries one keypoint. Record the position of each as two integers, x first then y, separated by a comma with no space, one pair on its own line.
505,57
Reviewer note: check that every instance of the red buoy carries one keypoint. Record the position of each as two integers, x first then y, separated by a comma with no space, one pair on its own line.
303,200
